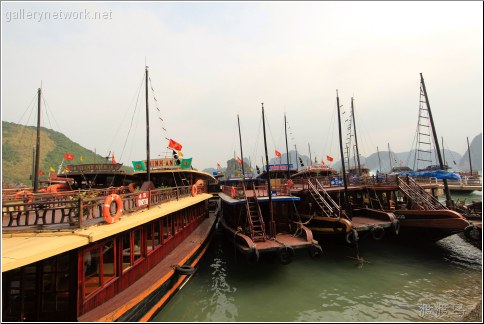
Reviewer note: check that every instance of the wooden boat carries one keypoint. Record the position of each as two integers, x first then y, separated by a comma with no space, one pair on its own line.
103,256
326,203
259,224
259,215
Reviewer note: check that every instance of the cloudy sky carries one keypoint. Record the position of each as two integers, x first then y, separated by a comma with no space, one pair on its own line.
211,61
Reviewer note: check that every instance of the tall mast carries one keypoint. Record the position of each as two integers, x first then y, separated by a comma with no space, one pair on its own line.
37,150
241,152
356,138
297,163
345,199
389,157
379,161
287,148
469,152
310,157
436,141
147,128
443,150
272,226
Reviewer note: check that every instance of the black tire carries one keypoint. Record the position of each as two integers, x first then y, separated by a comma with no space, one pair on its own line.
396,227
377,233
352,237
184,270
285,254
253,256
315,251
473,233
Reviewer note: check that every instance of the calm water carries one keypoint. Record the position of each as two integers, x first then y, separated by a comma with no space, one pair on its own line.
424,282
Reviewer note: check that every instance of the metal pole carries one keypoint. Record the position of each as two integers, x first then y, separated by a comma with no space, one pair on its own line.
287,148
272,226
446,186
469,152
241,152
37,150
356,138
345,200
147,129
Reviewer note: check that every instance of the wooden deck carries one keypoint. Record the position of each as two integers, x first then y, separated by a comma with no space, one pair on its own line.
280,241
130,297
365,223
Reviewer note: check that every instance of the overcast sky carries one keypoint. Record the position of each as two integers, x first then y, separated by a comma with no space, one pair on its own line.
209,61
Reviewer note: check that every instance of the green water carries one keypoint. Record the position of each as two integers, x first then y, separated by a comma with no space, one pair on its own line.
398,282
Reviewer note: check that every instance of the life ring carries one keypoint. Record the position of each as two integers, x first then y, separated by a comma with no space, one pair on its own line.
472,233
289,184
184,269
253,256
233,192
377,233
285,254
194,190
352,236
25,194
315,250
110,219
132,187
396,227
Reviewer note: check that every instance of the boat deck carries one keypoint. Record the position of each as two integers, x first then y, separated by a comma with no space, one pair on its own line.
280,240
365,223
128,298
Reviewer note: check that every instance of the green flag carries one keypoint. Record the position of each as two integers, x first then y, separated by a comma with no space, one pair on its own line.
186,163
139,166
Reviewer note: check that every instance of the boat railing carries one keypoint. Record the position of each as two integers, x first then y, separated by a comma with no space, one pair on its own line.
78,211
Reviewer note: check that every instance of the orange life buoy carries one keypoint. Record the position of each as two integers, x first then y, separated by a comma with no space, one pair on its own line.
110,219
23,194
194,190
289,184
234,193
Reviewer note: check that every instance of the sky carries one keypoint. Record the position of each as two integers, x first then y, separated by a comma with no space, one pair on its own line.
212,64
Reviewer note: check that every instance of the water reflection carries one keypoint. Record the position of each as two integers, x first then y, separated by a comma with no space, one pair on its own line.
399,282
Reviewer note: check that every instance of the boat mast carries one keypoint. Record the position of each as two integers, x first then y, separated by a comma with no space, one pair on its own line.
356,138
37,150
287,148
443,150
297,163
436,141
147,128
469,152
345,195
241,153
379,161
272,226
389,157
310,158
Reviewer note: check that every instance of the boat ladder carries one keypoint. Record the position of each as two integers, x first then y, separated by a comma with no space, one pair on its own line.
254,217
325,203
418,195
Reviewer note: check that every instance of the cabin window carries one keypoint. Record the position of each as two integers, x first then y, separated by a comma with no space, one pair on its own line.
167,227
99,266
55,284
156,233
132,248
152,235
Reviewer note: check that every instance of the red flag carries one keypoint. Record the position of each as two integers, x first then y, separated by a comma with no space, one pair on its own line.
113,160
68,156
329,158
322,162
278,154
68,168
218,164
239,160
174,145
41,172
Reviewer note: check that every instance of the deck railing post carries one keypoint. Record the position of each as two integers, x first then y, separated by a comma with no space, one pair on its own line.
80,212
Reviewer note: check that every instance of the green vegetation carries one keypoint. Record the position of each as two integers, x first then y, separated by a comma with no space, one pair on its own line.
18,148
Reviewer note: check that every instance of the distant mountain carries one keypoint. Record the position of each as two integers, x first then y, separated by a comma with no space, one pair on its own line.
18,148
476,155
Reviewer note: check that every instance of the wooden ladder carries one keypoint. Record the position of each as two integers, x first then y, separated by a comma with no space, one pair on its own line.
325,203
418,195
254,217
